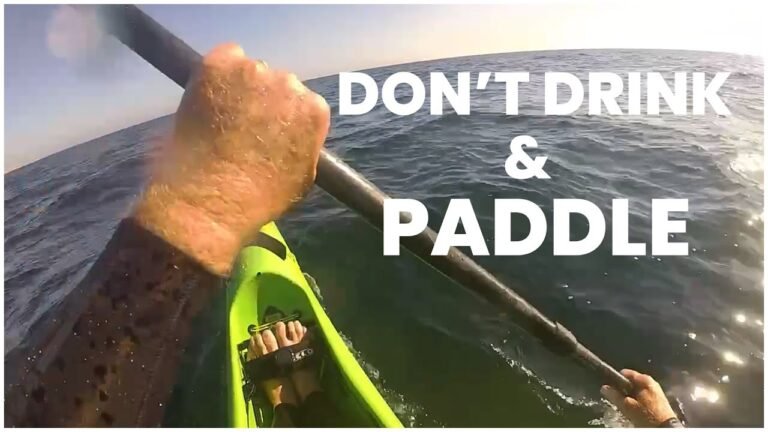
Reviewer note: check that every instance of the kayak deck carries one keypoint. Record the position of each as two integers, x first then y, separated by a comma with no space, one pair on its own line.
268,285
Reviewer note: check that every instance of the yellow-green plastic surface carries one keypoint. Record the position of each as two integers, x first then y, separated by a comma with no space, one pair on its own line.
262,279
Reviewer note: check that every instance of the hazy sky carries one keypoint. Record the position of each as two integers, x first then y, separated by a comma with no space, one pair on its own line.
53,102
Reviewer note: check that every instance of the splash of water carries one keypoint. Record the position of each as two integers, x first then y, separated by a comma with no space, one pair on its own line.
410,413
609,416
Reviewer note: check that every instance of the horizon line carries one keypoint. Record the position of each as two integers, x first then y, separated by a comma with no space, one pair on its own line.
89,140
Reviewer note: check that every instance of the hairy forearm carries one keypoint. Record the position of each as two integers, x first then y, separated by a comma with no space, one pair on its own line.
108,356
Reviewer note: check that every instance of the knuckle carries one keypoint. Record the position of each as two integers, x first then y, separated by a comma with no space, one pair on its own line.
646,380
260,65
223,53
321,105
294,84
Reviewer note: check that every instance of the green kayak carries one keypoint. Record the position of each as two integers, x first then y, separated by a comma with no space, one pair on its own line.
268,286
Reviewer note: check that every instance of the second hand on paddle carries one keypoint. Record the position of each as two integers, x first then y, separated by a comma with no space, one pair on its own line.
173,57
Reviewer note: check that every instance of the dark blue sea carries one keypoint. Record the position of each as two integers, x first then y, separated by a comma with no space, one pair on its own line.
442,356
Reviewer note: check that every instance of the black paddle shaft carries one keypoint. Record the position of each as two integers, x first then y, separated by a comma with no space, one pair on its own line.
173,57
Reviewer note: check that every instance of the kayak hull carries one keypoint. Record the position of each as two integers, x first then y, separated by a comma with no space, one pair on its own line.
267,284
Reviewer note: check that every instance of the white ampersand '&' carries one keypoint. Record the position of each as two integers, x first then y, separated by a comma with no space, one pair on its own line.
531,167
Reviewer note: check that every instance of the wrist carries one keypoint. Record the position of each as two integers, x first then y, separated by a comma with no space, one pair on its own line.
190,228
672,422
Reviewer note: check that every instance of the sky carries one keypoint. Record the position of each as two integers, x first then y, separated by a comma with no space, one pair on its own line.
56,97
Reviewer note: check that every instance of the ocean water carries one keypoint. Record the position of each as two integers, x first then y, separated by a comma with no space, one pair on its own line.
440,355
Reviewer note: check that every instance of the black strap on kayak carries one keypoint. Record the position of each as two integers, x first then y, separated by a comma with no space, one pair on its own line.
173,57
276,364
280,363
271,244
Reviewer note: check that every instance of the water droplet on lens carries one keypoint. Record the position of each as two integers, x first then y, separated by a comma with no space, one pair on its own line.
702,393
730,357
